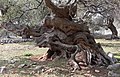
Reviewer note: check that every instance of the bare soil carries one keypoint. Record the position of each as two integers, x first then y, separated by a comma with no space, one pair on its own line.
17,60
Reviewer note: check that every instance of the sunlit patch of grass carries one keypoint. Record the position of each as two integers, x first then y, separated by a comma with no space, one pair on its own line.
109,45
111,49
112,46
107,41
117,56
36,51
11,50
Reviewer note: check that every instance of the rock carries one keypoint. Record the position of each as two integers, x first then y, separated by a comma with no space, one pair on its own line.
39,68
2,69
88,71
50,70
23,72
88,75
112,74
22,65
111,56
114,67
12,61
97,71
114,70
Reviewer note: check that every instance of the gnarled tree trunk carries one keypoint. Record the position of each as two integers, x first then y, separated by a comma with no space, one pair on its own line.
71,40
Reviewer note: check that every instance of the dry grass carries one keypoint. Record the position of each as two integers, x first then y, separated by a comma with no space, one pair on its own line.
7,51
11,50
112,46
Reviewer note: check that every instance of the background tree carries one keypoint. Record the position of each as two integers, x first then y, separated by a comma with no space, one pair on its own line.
17,14
101,13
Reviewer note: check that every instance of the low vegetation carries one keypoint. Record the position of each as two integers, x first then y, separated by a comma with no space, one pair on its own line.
18,63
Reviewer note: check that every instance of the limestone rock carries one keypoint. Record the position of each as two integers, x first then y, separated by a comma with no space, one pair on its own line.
114,67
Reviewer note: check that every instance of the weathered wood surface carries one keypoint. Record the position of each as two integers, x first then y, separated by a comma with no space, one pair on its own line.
71,40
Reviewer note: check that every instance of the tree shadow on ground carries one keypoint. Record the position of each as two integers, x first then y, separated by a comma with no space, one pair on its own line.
58,68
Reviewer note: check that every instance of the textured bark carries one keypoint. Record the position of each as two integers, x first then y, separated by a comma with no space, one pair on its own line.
68,39
65,38
68,11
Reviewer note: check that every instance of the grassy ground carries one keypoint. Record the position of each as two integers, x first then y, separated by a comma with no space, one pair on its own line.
112,46
59,68
7,51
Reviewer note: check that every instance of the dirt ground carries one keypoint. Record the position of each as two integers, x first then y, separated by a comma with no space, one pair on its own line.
16,60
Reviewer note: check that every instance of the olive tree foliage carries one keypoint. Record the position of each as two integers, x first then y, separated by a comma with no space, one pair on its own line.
97,12
27,12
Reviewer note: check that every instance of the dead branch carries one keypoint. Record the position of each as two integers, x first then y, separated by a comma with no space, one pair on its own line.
68,2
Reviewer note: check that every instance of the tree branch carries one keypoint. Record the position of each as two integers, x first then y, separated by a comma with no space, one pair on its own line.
23,12
50,4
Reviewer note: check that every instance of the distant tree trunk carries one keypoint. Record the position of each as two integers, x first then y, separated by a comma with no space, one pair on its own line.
112,28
